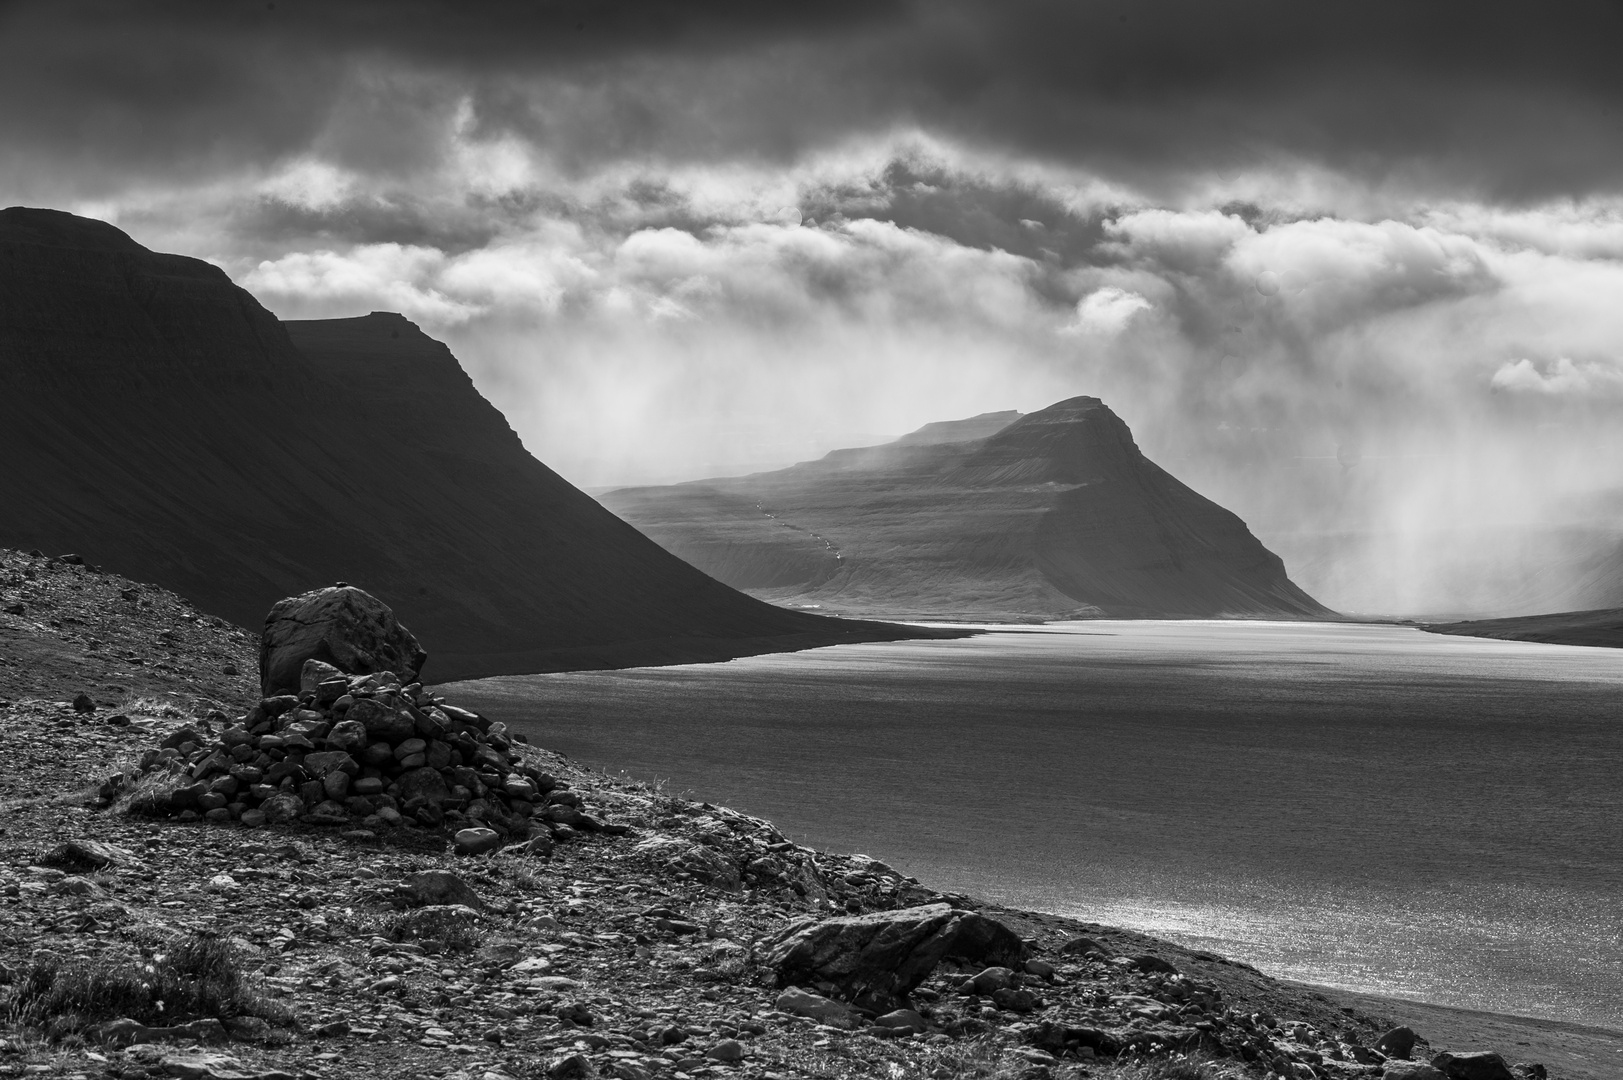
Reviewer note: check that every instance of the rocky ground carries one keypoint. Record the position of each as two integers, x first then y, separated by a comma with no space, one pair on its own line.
648,950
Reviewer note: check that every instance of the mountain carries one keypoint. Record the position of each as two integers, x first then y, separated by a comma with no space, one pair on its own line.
1052,514
157,420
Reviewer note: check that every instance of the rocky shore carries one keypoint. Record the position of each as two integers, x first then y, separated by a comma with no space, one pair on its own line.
188,889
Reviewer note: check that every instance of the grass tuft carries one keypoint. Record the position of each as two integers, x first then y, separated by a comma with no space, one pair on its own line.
147,794
456,929
1169,1067
195,978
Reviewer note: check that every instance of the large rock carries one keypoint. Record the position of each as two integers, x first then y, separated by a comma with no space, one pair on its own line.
817,1007
88,854
1411,1070
1483,1065
425,782
876,960
346,627
383,723
982,940
1397,1043
437,888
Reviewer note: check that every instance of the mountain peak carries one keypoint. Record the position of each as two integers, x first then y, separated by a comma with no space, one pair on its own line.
1075,441
1056,514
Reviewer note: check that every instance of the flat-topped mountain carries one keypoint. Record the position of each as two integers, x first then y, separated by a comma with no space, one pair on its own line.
1056,513
160,422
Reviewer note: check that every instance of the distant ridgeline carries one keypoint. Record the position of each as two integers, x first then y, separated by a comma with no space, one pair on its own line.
158,420
1052,514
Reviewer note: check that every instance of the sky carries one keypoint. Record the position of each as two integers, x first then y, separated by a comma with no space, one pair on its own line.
1354,271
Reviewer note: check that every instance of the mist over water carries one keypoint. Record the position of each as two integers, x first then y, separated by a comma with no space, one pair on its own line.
1364,806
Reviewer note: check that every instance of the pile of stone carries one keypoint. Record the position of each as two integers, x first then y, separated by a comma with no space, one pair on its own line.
353,747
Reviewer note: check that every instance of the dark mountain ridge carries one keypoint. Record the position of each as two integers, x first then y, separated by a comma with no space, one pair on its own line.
1053,514
158,420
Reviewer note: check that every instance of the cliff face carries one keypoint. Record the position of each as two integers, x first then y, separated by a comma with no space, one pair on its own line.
159,421
1056,513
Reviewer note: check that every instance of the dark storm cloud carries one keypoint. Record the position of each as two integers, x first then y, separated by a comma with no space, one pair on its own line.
1505,100
1007,215
1499,97
168,87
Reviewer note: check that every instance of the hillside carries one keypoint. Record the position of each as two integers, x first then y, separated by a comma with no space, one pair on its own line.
1602,628
1049,515
636,943
161,423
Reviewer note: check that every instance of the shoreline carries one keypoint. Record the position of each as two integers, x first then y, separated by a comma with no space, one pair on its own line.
1565,1047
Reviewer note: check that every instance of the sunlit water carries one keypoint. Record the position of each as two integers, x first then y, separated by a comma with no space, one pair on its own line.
1370,807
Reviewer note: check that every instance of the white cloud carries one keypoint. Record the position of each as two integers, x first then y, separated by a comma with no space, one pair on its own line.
1563,377
389,277
1106,312
311,185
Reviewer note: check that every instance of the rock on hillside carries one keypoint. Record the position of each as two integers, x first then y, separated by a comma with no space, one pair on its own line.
1056,513
162,423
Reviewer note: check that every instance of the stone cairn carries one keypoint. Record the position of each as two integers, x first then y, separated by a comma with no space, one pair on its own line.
354,748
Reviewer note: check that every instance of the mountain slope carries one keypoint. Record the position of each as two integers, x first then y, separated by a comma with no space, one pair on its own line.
1056,513
1602,628
160,421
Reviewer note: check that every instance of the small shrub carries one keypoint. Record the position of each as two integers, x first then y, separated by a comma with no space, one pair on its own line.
148,794
456,928
192,979
526,880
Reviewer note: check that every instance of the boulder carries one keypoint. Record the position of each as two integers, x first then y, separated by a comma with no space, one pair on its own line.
1482,1065
382,723
336,784
424,782
438,887
282,808
817,1007
344,626
1149,962
874,960
981,940
988,981
1398,1043
88,854
318,765
1014,999
904,1020
476,841
348,735
1410,1070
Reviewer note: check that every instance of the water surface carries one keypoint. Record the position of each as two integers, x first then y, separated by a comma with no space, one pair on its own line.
1364,806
